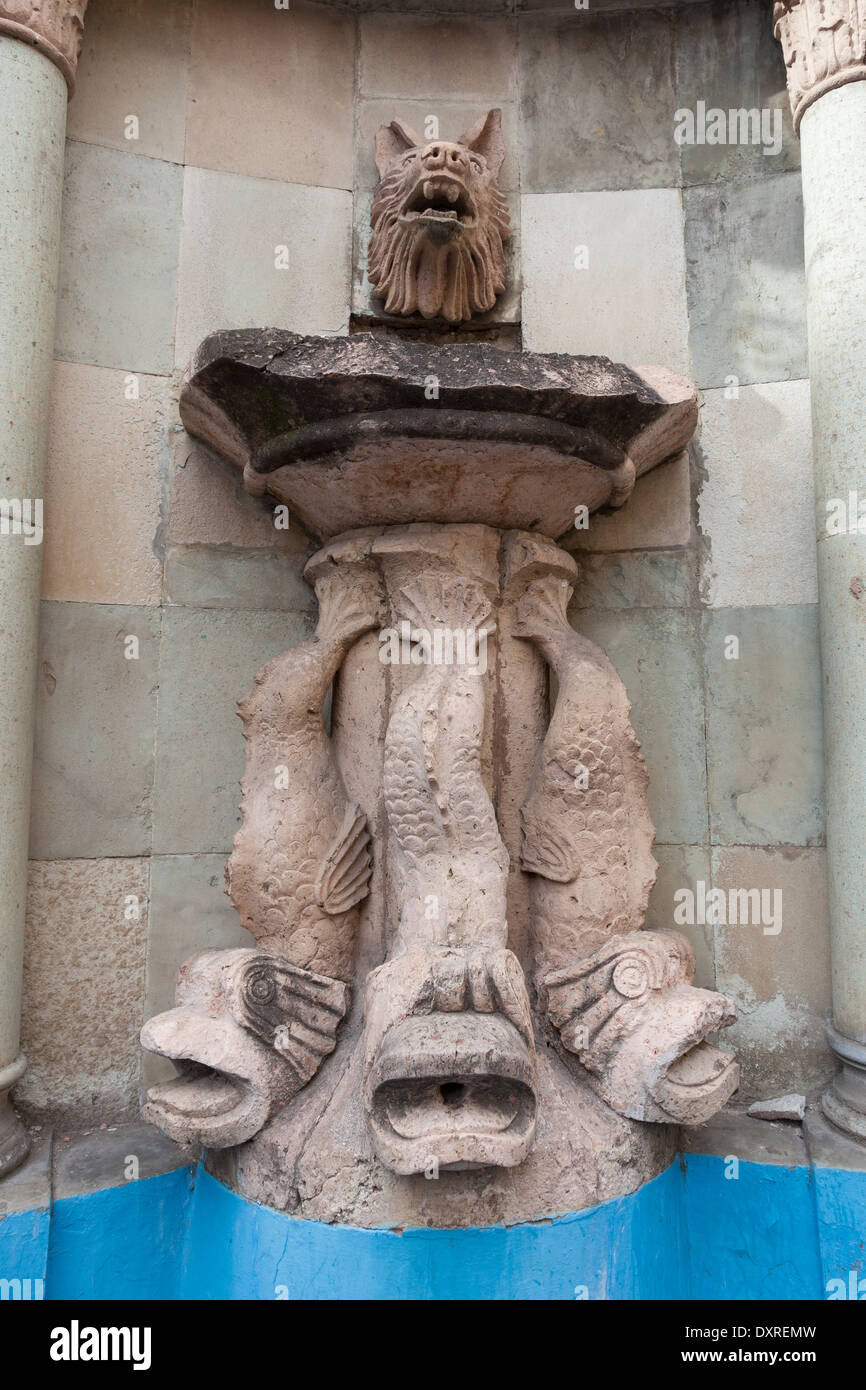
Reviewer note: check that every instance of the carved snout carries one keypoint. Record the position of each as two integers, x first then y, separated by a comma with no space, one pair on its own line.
445,155
450,1079
225,1083
248,1032
639,1027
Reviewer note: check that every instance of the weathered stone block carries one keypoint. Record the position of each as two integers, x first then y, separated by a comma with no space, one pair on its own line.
107,455
597,102
133,62
201,576
660,514
757,449
707,72
237,234
764,739
746,280
118,259
657,654
84,989
95,719
209,660
605,272
780,978
271,92
635,579
401,57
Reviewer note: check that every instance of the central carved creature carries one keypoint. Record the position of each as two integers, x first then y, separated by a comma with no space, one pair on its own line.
439,222
450,1047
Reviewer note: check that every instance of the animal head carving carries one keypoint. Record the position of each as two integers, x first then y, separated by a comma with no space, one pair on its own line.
439,222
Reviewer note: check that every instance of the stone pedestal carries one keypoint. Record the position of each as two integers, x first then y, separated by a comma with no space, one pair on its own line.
453,1015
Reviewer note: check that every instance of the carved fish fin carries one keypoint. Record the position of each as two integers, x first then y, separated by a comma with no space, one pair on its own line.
545,850
344,878
295,1011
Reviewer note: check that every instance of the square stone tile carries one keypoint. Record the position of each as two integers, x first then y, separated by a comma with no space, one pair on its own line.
746,280
764,739
706,39
658,513
756,505
84,989
209,662
683,867
133,63
635,579
657,654
190,911
203,576
426,55
95,722
107,459
232,229
208,504
118,259
780,982
209,507
629,303
597,101
271,92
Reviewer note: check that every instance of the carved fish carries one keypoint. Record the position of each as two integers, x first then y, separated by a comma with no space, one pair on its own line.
250,1028
620,999
587,833
301,860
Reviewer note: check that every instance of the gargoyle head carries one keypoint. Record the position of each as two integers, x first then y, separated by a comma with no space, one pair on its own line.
439,222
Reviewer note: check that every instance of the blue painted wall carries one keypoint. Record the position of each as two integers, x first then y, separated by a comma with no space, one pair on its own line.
697,1231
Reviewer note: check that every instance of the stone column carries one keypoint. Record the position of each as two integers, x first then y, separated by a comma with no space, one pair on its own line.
38,49
824,43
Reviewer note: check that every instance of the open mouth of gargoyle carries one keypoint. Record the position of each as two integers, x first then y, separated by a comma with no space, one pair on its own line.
701,1070
198,1092
439,198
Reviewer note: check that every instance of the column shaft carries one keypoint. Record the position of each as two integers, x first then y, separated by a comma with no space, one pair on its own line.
833,139
33,97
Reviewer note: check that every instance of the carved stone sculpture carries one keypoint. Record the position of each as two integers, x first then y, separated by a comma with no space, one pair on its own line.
55,27
439,222
449,891
252,1027
824,45
622,1003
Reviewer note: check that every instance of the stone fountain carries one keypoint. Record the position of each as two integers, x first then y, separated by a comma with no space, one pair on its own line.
453,1014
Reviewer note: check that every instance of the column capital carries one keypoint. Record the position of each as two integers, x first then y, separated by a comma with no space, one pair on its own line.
824,43
55,27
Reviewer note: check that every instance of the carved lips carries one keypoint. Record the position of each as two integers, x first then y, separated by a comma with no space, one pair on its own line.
441,199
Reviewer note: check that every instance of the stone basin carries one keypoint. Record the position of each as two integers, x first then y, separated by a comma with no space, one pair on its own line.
345,430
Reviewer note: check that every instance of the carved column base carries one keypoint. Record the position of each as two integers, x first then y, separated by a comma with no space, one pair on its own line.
844,1102
14,1140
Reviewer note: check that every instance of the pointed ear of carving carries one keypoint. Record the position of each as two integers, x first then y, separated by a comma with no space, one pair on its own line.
392,141
485,137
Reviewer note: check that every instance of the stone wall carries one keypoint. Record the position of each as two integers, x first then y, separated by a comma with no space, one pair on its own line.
253,133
